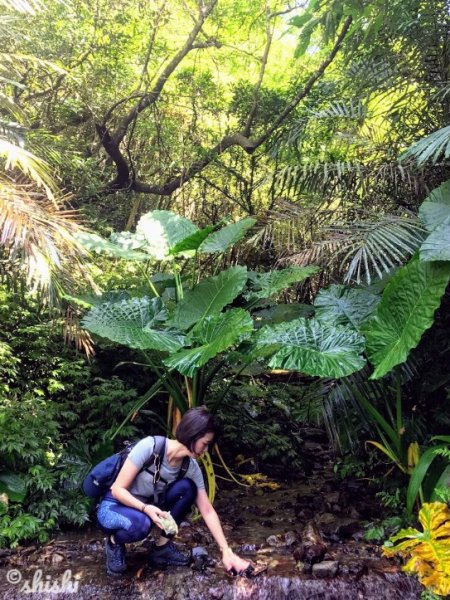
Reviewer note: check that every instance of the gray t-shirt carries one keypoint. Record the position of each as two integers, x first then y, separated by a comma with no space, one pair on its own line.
142,487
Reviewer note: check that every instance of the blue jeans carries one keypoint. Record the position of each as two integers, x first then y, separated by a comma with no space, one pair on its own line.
131,525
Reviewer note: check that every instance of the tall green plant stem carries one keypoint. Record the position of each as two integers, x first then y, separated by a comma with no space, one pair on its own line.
149,281
230,383
196,387
398,404
380,421
139,404
169,382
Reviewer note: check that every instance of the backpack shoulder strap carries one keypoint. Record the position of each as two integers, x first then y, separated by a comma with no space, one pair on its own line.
156,457
160,446
184,467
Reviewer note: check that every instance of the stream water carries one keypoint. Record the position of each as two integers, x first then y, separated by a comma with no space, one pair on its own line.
308,535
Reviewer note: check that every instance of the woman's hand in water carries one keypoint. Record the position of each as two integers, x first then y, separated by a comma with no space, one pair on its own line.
233,561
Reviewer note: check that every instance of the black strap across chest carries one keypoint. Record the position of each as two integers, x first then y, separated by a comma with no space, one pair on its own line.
153,464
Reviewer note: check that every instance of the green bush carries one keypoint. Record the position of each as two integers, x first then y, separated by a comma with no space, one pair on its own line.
55,412
257,422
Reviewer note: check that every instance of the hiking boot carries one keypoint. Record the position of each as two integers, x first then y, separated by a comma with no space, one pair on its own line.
115,558
168,554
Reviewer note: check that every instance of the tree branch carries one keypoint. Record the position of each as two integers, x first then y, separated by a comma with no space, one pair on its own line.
111,145
265,56
155,93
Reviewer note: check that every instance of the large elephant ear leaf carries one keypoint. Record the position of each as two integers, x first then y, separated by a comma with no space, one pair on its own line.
435,215
281,313
265,285
163,230
215,334
189,245
135,323
209,297
435,209
406,310
312,348
100,245
221,240
437,244
340,305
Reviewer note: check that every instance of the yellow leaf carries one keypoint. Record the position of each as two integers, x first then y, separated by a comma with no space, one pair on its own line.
428,551
413,456
386,450
260,480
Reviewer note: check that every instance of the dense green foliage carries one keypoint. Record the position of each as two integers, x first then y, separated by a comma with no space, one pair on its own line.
52,417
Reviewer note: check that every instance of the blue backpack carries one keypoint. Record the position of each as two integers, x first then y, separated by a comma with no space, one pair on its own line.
101,477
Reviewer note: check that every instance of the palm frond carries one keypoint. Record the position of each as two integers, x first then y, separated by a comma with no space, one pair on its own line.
343,416
364,247
10,62
376,246
288,226
30,7
433,147
30,165
74,334
355,109
372,74
38,239
320,177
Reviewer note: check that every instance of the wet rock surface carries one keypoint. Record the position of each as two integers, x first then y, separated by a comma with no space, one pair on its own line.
308,534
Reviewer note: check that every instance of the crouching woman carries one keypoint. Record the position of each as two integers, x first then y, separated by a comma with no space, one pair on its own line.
134,502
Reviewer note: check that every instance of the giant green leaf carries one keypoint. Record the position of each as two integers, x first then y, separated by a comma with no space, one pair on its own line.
281,313
215,334
340,305
437,245
192,242
435,209
209,297
135,323
87,301
96,243
312,347
221,240
406,310
163,230
128,241
264,285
